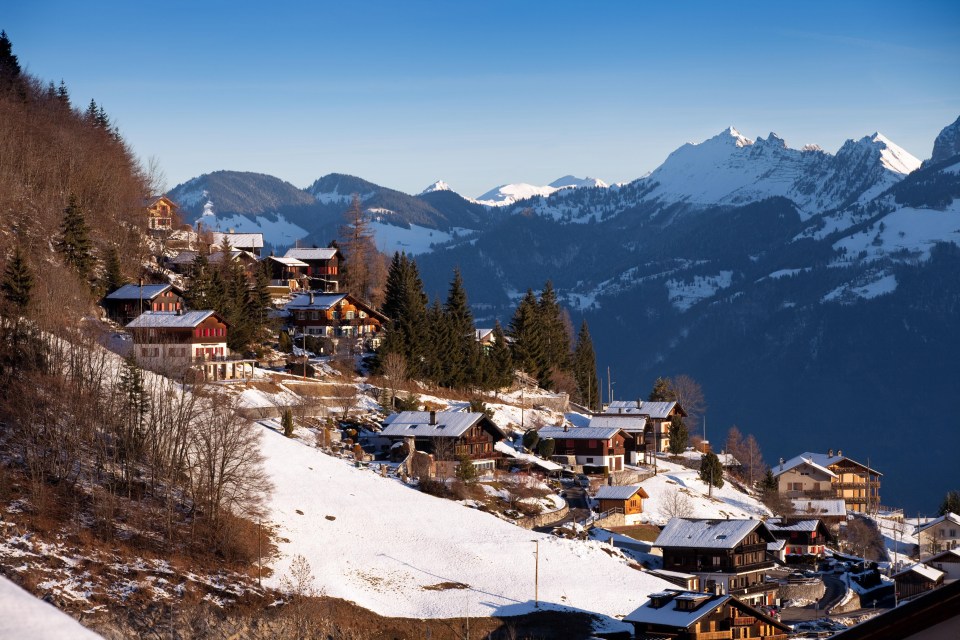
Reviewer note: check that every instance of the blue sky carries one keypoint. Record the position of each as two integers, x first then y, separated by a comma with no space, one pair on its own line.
485,93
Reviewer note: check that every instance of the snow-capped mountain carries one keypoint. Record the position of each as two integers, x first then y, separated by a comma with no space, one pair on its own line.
439,185
947,144
508,194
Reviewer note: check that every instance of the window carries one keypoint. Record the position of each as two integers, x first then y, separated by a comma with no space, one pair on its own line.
716,561
589,460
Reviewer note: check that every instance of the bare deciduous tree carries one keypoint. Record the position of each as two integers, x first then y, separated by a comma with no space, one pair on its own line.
677,504
395,373
689,395
345,396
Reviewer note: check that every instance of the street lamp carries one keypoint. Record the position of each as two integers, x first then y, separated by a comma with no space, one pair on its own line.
536,574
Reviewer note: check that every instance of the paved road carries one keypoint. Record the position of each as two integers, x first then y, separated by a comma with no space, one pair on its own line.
576,498
835,589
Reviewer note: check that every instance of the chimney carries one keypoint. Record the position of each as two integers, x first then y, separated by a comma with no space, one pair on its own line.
609,481
564,427
619,409
311,298
830,453
839,453
433,414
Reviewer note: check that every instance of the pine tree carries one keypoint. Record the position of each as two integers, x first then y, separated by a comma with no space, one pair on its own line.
436,341
113,274
136,406
711,471
74,242
17,285
556,342
679,436
661,391
466,471
460,355
63,95
499,360
950,504
585,369
527,334
405,305
359,251
198,292
9,65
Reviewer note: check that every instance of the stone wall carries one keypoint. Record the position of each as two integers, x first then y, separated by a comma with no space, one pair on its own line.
544,519
802,591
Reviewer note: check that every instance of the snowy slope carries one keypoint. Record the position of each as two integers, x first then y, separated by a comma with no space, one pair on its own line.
381,544
507,194
23,616
280,232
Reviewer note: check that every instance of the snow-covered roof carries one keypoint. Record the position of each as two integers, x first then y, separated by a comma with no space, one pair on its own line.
824,460
653,409
447,424
547,465
217,256
578,433
669,615
950,555
624,492
169,319
626,422
801,461
136,292
799,525
290,262
254,240
826,507
313,253
482,334
921,569
713,534
24,616
184,257
776,545
320,301
949,516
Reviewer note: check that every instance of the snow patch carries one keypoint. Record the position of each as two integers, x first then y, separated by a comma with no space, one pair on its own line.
684,295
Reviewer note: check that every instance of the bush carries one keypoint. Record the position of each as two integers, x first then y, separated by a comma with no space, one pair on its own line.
410,403
436,488
546,448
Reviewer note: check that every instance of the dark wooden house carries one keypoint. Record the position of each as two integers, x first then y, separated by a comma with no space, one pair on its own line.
806,540
693,615
595,449
130,300
336,316
323,266
448,435
917,579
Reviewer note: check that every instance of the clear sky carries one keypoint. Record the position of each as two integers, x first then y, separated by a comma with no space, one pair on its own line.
479,94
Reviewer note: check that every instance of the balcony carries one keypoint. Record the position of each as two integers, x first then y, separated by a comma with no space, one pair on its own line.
229,358
712,635
760,587
743,621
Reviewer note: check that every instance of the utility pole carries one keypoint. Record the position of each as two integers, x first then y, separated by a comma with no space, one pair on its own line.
536,574
259,556
609,387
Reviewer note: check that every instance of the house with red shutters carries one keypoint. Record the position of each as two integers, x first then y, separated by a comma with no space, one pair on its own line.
130,300
594,449
323,266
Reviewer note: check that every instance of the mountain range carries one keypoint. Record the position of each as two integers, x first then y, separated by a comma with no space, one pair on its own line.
814,295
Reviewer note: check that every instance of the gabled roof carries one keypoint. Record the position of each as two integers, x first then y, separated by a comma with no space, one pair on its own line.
321,301
950,555
482,334
578,433
826,507
628,422
799,525
289,262
184,257
625,492
947,517
136,292
217,256
448,424
712,534
931,574
801,461
171,320
660,410
254,240
669,616
824,460
152,200
314,253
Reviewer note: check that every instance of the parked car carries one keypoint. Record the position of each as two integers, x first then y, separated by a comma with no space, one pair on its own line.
583,481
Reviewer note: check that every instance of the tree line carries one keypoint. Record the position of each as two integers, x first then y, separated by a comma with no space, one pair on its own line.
439,342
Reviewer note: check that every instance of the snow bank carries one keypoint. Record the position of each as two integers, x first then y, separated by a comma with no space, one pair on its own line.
23,616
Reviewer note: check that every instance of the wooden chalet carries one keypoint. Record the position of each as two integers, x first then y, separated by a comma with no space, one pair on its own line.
729,556
627,499
656,428
827,475
249,242
916,579
162,214
286,275
130,300
323,266
593,449
448,435
335,316
805,540
694,615
175,343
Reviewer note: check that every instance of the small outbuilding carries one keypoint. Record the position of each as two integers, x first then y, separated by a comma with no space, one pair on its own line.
628,499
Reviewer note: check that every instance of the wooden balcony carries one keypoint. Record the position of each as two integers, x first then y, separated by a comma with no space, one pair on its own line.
743,621
712,635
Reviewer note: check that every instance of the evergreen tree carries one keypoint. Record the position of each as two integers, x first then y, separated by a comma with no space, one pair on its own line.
530,439
113,274
9,65
769,482
405,305
525,329
74,242
556,342
198,294
661,391
466,471
436,341
499,372
136,406
679,436
460,355
585,369
546,447
63,95
711,471
17,285
951,503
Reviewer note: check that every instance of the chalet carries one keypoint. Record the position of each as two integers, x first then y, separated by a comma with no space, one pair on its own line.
484,338
729,556
693,615
335,316
805,540
939,534
182,262
448,435
825,475
634,428
286,275
130,300
596,449
628,499
935,615
161,214
916,579
249,242
177,342
948,562
656,435
323,266
831,511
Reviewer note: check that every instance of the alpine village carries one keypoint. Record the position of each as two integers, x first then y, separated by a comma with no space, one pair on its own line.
204,434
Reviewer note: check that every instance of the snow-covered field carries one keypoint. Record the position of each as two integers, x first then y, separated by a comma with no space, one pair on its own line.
24,616
399,552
